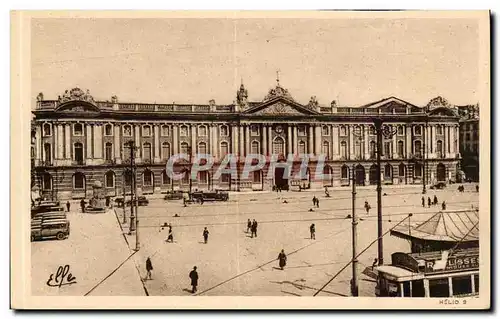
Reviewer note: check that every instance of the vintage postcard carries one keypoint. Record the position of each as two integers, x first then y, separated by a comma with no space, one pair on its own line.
250,160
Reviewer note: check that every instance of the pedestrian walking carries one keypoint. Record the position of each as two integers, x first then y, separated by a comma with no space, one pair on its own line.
367,207
68,206
435,200
249,225
477,188
312,229
170,237
317,202
149,268
423,201
314,201
194,279
443,205
254,228
82,205
282,259
429,202
205,235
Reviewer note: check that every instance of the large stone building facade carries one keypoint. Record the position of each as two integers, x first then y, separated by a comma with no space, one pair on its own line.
469,140
77,140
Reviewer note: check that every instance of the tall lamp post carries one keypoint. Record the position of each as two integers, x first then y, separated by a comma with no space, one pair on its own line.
134,220
383,131
354,283
424,154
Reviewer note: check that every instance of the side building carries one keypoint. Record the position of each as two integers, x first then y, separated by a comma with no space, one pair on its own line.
78,140
469,141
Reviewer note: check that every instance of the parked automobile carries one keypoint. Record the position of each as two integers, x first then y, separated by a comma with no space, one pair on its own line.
210,196
439,185
119,201
141,201
58,229
175,195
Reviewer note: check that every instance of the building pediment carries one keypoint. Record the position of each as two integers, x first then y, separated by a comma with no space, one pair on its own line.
77,107
279,106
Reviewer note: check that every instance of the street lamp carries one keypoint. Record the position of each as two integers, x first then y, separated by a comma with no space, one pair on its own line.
383,131
190,151
354,282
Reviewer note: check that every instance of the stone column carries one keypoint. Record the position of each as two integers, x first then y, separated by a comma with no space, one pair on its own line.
310,143
289,140
317,133
234,139
394,151
175,133
242,140
366,128
98,141
211,130
156,132
264,139
457,146
408,140
433,141
351,141
445,142
452,139
67,142
117,143
270,139
137,139
38,141
60,142
335,139
194,146
247,140
295,139
88,143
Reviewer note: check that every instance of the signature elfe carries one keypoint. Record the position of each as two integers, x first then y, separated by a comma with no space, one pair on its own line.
62,277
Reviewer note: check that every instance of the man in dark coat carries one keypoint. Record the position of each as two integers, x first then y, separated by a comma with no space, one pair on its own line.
194,279
68,205
249,225
435,200
443,205
312,229
149,267
429,202
205,235
82,205
423,201
254,228
314,201
282,259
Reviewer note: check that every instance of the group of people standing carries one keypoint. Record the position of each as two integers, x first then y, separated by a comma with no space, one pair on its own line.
433,202
252,227
315,201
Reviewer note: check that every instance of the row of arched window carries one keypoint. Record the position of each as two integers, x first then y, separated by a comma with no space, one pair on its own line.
202,130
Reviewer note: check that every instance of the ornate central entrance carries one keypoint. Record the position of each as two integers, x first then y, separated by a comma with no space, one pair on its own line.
280,180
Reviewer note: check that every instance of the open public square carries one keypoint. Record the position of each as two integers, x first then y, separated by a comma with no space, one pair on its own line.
234,263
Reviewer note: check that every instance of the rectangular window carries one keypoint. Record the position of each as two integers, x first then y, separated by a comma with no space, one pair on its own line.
146,130
462,285
165,130
439,288
254,131
301,130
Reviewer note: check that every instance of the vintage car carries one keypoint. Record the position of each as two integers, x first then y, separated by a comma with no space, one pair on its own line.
141,201
175,195
209,196
438,185
56,228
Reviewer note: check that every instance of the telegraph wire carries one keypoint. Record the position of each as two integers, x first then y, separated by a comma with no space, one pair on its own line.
267,263
347,265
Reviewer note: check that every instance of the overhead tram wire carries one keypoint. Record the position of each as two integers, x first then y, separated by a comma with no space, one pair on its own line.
301,220
268,262
347,265
274,212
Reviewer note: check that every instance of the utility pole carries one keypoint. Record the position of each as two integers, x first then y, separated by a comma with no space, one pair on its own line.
354,283
424,153
382,131
132,187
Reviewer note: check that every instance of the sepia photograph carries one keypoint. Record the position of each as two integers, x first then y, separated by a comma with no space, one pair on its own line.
310,159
